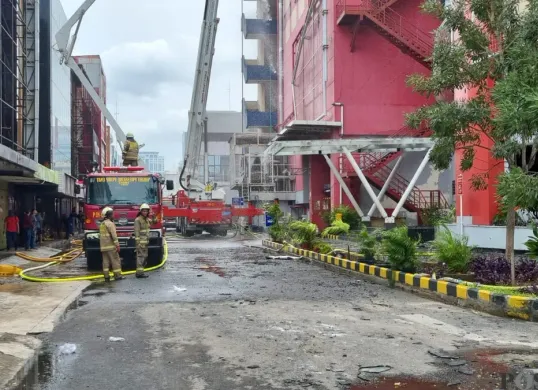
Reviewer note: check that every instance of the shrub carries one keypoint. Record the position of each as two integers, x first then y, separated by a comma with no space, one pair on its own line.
401,250
337,228
495,269
304,233
435,216
453,250
349,216
369,242
532,243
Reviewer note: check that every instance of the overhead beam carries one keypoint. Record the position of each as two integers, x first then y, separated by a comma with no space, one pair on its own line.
343,185
363,144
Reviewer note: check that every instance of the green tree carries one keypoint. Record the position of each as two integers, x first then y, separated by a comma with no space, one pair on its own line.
496,53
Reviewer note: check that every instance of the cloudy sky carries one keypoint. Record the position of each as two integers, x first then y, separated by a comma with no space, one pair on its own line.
149,51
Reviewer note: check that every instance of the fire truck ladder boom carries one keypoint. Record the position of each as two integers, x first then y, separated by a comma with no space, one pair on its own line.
202,76
66,42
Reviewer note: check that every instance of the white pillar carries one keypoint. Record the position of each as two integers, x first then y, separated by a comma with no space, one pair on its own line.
386,185
343,185
364,181
410,187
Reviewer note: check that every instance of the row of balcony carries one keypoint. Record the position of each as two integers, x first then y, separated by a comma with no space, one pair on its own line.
258,28
256,73
254,118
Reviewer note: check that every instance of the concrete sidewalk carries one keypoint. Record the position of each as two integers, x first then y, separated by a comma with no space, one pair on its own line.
29,309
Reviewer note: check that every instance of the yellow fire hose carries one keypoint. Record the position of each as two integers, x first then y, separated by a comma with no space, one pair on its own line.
71,255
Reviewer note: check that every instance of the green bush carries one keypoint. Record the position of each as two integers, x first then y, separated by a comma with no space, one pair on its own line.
452,250
349,216
304,233
337,228
532,243
369,242
435,216
400,249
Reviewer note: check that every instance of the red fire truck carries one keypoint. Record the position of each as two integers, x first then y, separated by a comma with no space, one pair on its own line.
211,216
124,189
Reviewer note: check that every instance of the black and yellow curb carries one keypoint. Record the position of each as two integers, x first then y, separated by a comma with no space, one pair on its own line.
508,305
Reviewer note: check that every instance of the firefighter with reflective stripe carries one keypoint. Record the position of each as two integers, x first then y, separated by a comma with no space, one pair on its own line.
110,245
130,151
141,230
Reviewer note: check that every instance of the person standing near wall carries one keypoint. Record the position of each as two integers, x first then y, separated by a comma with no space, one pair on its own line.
12,227
38,227
28,226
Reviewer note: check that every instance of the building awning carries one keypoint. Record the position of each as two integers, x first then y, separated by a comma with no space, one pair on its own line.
362,144
306,130
17,168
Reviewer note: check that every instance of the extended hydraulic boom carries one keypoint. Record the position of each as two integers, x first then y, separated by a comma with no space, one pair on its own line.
197,113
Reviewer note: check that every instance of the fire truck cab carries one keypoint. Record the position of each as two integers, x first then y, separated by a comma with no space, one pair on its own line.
124,189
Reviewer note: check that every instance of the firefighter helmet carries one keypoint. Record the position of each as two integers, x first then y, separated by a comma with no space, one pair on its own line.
106,211
144,206
129,135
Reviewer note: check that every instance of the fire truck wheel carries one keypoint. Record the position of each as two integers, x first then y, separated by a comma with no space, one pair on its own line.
223,233
189,234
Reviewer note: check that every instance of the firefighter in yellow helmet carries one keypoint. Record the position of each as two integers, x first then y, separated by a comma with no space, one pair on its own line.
130,151
141,230
110,246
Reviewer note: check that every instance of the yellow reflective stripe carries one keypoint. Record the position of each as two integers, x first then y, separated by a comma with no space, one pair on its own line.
108,247
116,270
116,242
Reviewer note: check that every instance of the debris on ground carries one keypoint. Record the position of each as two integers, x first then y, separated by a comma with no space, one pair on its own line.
67,349
282,258
116,339
374,369
179,289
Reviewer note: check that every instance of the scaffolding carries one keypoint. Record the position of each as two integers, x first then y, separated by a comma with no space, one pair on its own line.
85,118
19,21
257,176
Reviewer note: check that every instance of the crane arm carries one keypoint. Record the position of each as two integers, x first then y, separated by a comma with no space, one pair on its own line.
66,42
200,90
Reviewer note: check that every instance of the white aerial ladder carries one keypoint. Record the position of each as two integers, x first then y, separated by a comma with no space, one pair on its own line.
197,114
65,43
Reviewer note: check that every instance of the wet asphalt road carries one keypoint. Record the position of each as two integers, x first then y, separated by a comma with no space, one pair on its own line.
220,316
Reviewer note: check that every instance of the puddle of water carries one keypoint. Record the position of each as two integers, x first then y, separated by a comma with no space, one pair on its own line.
41,372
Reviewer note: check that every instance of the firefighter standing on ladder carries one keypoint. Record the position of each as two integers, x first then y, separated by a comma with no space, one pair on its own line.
110,245
141,230
130,151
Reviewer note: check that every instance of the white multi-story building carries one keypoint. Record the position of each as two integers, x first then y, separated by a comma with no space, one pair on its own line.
152,161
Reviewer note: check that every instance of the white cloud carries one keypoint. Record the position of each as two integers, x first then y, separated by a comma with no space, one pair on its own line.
149,51
142,68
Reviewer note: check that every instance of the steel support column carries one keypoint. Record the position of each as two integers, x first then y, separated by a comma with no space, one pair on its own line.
336,174
386,185
364,181
31,79
409,188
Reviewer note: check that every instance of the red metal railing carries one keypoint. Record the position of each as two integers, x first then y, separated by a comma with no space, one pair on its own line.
390,21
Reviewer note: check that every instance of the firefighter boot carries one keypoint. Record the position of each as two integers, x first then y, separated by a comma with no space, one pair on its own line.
142,276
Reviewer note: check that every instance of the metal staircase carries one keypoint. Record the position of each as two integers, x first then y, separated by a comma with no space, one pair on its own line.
375,167
390,24
377,172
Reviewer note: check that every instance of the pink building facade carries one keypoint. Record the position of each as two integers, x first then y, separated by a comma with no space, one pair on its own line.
351,67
